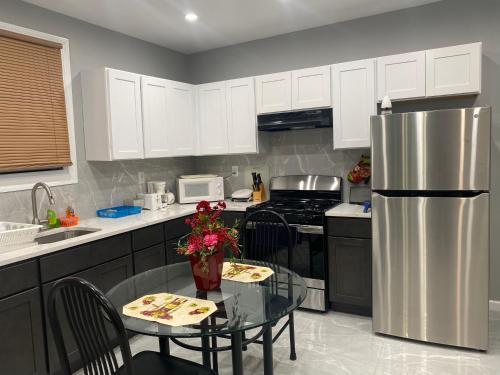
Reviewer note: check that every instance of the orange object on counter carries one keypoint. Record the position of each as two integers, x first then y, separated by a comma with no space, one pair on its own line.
69,221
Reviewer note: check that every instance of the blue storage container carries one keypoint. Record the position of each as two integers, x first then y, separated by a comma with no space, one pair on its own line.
120,211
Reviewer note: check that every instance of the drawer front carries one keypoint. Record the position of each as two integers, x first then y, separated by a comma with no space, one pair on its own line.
19,277
82,257
150,258
349,227
147,237
176,228
231,217
171,252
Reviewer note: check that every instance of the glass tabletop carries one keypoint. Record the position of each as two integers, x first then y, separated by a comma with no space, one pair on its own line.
240,306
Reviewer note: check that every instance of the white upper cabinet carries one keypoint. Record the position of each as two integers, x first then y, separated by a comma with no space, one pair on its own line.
454,70
181,119
168,118
212,119
274,92
241,116
311,88
125,114
113,115
401,76
353,102
155,112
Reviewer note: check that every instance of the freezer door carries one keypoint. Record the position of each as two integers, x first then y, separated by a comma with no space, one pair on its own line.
436,150
430,268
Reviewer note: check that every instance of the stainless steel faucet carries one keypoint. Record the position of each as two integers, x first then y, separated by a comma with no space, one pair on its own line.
36,219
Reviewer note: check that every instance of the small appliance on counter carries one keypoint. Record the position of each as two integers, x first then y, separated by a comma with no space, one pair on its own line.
195,188
242,195
157,187
152,201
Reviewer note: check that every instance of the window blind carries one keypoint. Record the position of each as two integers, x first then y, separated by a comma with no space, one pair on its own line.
33,123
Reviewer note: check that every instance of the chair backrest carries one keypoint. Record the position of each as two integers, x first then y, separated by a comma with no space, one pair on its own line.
267,237
95,326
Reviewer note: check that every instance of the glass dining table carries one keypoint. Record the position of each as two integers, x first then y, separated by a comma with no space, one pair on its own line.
240,307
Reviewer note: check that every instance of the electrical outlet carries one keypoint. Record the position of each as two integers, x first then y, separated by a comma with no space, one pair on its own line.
141,179
234,171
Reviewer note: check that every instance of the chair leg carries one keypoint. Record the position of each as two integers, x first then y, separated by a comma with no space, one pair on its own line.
244,337
291,326
215,359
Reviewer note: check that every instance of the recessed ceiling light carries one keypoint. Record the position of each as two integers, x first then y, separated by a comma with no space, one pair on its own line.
191,17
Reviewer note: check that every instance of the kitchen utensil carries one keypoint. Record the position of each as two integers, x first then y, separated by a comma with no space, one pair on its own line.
254,181
157,187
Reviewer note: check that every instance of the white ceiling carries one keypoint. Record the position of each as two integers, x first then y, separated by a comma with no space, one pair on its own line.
221,22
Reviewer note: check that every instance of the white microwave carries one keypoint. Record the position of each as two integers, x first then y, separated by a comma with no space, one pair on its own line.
192,189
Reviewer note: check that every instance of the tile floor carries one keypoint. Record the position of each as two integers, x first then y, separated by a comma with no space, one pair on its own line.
336,343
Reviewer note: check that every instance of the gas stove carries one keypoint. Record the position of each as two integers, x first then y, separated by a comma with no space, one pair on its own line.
299,211
303,201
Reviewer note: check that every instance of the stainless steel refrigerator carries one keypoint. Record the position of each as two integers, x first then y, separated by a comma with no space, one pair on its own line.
430,223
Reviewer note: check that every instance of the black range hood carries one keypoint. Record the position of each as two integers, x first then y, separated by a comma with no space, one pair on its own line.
309,119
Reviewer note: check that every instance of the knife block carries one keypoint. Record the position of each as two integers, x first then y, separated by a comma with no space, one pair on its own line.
260,195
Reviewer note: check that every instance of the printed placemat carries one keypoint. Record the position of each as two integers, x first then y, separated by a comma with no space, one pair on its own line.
245,273
170,309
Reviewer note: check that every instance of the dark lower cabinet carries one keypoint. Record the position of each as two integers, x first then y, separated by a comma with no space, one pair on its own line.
232,217
171,251
350,274
149,258
104,276
22,346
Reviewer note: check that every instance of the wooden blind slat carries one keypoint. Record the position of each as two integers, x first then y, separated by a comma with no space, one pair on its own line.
33,122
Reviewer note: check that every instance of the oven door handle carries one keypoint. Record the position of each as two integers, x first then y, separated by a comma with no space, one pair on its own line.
308,229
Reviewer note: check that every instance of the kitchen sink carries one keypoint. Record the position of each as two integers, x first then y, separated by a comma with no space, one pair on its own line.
63,234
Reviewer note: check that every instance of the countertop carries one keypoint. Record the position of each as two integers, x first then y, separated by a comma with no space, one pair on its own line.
110,227
348,210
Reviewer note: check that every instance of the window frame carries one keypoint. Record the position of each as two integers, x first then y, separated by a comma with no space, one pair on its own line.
67,175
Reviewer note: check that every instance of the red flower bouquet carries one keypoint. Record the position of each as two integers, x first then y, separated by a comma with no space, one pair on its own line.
206,243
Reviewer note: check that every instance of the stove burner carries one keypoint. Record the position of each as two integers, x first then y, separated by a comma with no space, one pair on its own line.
299,211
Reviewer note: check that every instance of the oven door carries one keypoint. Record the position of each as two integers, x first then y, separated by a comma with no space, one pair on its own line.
309,255
308,259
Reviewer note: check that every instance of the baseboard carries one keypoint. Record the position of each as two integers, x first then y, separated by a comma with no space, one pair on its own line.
494,305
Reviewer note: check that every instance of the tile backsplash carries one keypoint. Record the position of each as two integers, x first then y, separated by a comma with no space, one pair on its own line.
286,153
105,184
100,185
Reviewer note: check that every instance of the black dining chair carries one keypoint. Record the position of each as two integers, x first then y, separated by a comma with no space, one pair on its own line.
97,329
266,237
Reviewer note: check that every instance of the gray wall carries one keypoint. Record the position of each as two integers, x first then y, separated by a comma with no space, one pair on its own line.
100,184
440,24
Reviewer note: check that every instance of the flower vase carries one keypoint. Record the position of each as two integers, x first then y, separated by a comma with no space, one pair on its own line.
208,278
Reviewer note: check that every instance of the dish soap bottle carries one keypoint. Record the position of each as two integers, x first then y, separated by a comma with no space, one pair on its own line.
53,221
